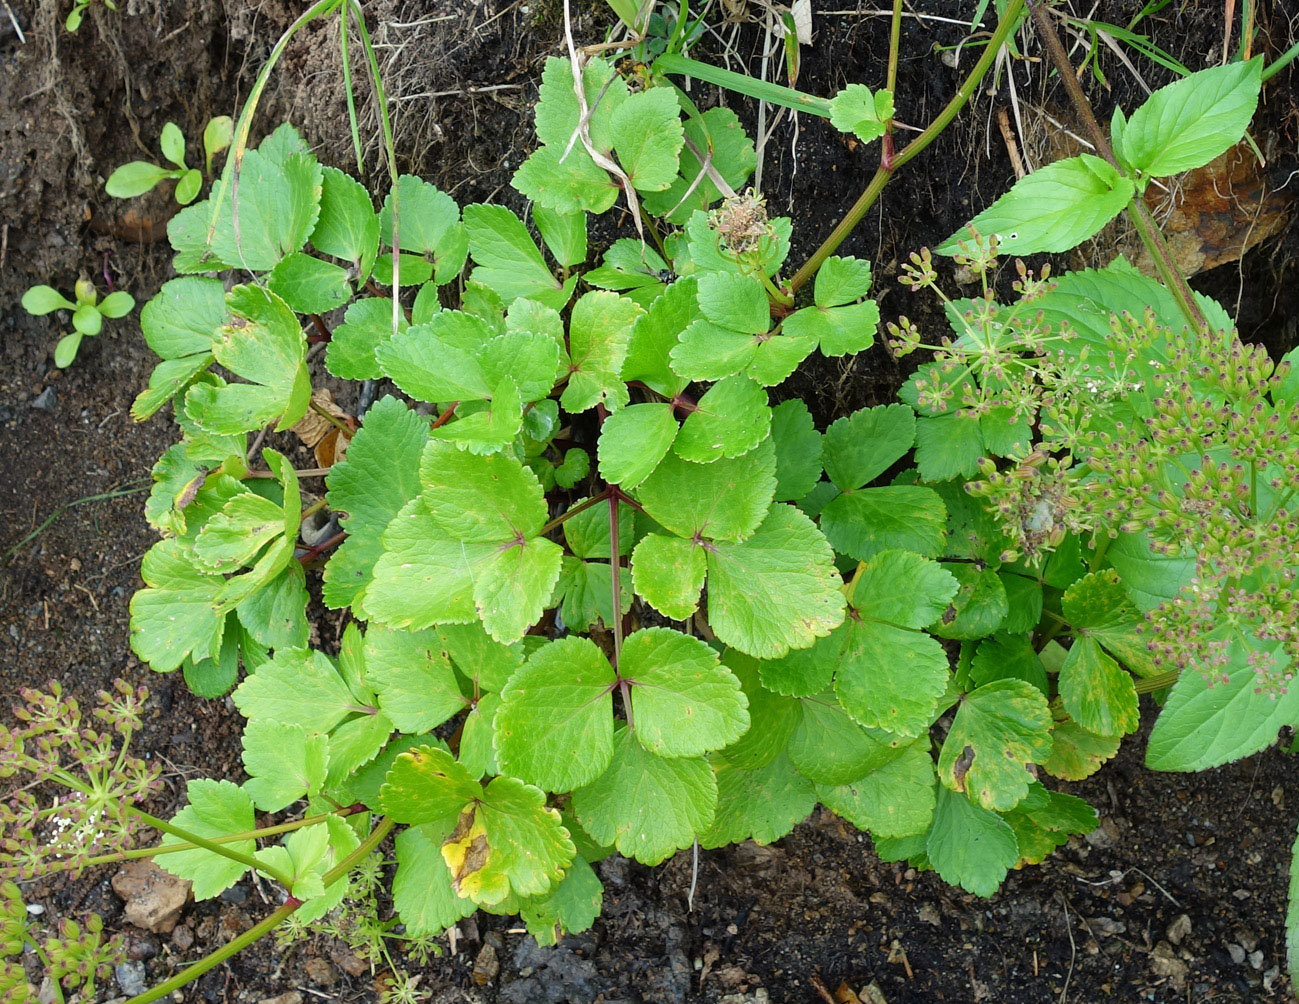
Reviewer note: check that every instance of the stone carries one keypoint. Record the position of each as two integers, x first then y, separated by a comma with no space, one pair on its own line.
1166,964
1235,951
153,898
1179,928
45,400
486,966
130,978
320,972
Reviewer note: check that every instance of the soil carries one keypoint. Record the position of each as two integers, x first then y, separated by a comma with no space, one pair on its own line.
1179,896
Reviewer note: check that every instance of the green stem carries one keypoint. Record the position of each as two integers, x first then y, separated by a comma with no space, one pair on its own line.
615,575
265,831
882,177
895,44
315,507
1138,212
345,57
258,931
1153,683
762,90
1280,63
211,845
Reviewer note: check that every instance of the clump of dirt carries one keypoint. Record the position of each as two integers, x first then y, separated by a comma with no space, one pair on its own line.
1179,895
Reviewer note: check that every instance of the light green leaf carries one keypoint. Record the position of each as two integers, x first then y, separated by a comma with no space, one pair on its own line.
134,178
421,889
978,609
187,188
352,746
439,360
348,227
172,143
684,702
998,730
427,785
263,344
574,184
1098,607
891,678
564,234
654,335
233,537
558,111
807,671
840,331
669,573
895,800
513,589
776,590
930,588
763,804
412,678
179,613
87,320
428,223
717,132
554,728
645,805
215,809
830,748
481,499
1096,691
367,325
1055,208
948,447
1192,120
66,349
863,523
217,135
599,332
648,137
507,260
731,419
1076,753
42,300
296,687
571,907
724,500
379,475
309,285
772,717
283,762
275,616
841,280
735,301
182,319
1149,578
798,450
633,441
859,448
969,846
1008,657
1211,721
855,109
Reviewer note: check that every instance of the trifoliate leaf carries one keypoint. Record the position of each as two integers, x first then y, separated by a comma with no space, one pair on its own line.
969,846
633,441
855,109
428,223
1096,691
263,344
798,450
599,332
948,446
708,351
772,718
573,184
215,809
647,136
776,590
279,201
930,588
730,419
558,111
895,800
554,728
684,703
570,908
978,609
830,748
298,687
427,785
804,671
1076,753
669,573
998,730
347,227
762,805
379,475
481,499
734,301
309,285
284,763
366,325
412,678
718,135
890,677
1098,607
655,333
1055,208
724,500
1041,828
645,805
841,280
506,259
1008,657
858,449
1208,721
839,331
179,324
179,611
512,589
863,523
233,537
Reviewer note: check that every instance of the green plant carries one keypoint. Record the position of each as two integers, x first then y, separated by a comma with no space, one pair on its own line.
74,958
78,12
140,176
88,313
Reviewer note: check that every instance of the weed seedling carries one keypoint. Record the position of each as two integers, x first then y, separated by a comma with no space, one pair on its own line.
88,313
140,176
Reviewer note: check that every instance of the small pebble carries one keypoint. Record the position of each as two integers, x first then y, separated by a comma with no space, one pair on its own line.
130,977
45,400
1237,953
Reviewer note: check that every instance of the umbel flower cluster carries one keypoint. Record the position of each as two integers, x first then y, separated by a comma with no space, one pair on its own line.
77,780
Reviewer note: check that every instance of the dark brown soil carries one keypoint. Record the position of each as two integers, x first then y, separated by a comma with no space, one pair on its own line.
1098,921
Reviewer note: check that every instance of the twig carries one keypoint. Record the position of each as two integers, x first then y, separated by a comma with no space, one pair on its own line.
1012,148
1073,951
14,21
821,989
